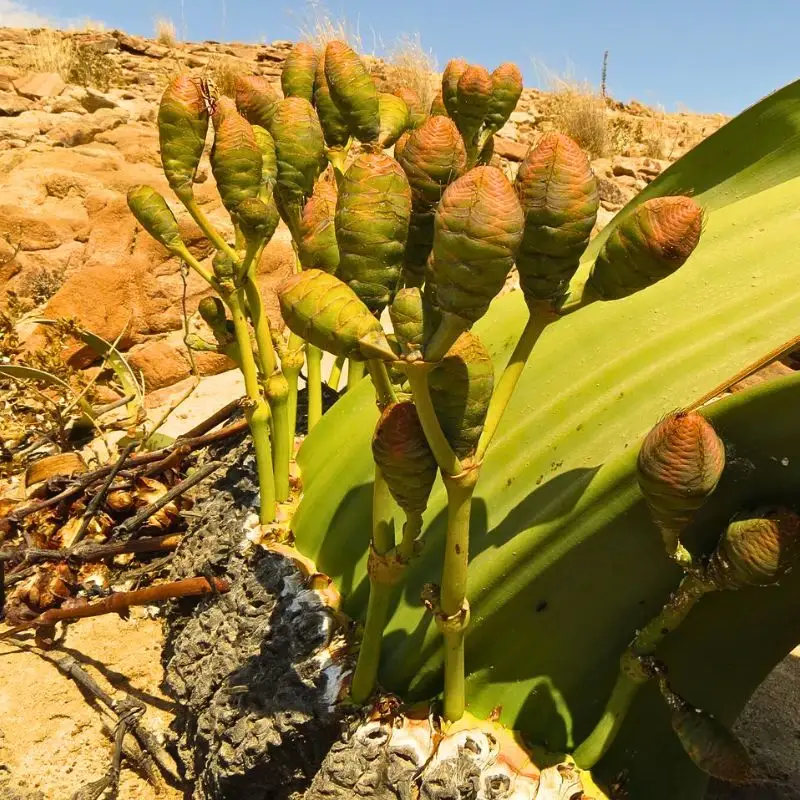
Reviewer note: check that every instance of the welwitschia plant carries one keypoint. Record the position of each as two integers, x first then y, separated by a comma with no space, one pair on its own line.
435,240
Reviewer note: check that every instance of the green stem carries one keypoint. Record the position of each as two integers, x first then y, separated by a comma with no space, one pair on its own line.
411,530
355,372
596,744
257,412
336,373
453,607
369,654
631,676
447,460
380,592
183,253
240,242
278,396
291,366
383,385
266,352
314,385
504,390
210,232
451,326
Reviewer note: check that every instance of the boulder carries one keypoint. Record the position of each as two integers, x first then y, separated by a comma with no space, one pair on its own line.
39,85
84,129
508,149
12,105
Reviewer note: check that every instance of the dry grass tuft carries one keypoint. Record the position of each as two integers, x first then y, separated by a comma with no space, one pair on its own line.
580,112
166,34
50,51
88,26
413,67
223,71
655,140
318,27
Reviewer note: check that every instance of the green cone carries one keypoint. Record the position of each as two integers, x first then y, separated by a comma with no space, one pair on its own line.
372,214
353,91
300,152
653,241
182,129
334,126
506,91
461,387
473,93
558,193
757,549
256,99
212,310
394,119
679,466
432,157
154,215
321,309
709,744
477,231
236,159
269,160
453,71
407,317
416,112
317,246
297,77
257,219
401,450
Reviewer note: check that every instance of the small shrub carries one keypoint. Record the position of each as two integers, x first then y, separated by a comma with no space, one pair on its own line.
413,67
92,68
166,34
41,285
621,135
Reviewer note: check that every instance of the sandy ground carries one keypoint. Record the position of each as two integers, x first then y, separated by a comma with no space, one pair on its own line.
51,737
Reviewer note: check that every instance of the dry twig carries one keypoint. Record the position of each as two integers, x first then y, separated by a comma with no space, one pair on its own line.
120,602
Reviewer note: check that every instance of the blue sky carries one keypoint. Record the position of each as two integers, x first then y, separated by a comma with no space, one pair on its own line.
701,55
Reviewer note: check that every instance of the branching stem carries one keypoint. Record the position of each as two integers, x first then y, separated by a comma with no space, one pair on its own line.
631,675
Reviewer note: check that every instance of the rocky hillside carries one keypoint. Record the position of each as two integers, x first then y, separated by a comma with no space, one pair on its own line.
77,130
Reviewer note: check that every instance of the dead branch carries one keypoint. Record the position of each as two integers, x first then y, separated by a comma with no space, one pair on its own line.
120,602
91,551
217,418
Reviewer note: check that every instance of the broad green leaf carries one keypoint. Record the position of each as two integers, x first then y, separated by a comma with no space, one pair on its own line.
566,563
